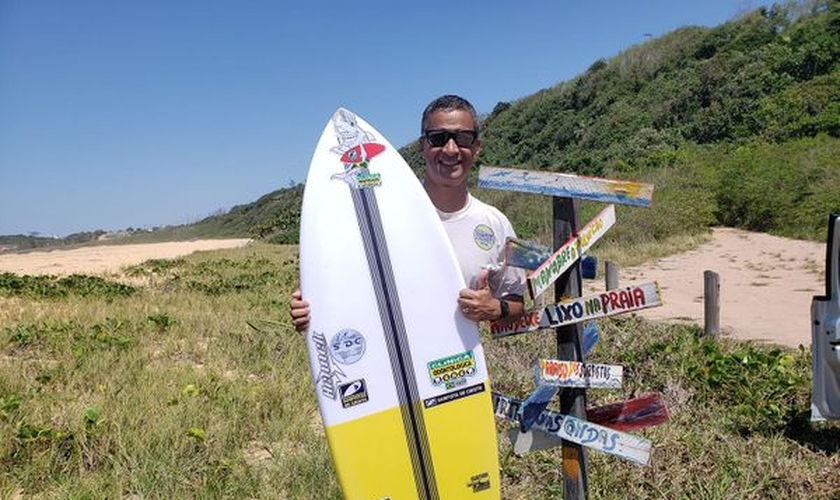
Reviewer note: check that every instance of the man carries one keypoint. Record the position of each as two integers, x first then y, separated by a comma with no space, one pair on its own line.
449,142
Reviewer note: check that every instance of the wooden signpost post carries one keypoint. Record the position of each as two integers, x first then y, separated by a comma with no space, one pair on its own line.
563,270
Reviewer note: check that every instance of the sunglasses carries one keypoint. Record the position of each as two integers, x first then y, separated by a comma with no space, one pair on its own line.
439,138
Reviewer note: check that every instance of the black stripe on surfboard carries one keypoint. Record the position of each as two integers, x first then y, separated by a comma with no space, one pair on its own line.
390,313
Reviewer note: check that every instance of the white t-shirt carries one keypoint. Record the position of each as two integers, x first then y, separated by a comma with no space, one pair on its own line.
478,232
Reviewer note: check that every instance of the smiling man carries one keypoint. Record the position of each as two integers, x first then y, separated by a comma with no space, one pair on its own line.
450,141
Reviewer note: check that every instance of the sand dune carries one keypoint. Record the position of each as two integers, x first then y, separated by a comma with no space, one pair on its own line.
104,258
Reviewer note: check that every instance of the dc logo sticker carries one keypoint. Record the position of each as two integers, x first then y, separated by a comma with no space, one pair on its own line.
484,236
347,346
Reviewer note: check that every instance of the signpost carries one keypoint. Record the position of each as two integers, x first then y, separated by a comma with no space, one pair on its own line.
571,311
566,186
563,270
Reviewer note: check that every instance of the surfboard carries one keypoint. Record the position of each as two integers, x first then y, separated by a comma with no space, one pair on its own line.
399,373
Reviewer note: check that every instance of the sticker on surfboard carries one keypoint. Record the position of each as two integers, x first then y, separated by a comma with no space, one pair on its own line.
356,148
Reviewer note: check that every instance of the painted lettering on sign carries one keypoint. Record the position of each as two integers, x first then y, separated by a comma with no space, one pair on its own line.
579,431
541,278
632,298
566,185
528,322
577,374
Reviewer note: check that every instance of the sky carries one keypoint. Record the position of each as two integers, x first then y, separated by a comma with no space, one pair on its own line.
118,114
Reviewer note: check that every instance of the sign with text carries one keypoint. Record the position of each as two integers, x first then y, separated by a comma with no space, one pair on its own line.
566,185
547,273
577,374
568,312
582,432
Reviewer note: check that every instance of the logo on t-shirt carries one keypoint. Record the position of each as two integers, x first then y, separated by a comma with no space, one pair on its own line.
484,236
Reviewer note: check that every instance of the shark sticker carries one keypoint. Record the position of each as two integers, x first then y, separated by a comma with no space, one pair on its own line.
356,147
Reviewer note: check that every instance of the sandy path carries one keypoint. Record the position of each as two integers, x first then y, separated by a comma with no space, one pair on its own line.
104,258
766,282
766,285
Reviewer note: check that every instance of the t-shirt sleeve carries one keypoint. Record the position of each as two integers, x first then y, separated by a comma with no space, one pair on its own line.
507,280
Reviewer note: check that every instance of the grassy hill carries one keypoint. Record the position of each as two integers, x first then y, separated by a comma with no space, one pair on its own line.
736,125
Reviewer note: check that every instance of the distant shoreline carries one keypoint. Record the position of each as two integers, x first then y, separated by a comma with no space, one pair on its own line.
103,257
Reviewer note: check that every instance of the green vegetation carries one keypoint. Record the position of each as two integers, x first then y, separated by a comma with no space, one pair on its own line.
184,379
737,125
196,386
56,286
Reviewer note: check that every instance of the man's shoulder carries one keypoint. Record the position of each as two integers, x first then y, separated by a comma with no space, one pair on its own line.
481,207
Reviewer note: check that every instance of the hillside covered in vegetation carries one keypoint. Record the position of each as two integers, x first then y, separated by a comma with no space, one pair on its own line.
736,125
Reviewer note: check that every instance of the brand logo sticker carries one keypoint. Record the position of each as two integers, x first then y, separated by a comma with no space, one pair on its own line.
479,482
353,393
484,236
452,371
327,376
348,346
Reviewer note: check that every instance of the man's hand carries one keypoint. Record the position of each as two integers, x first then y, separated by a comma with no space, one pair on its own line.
479,304
299,311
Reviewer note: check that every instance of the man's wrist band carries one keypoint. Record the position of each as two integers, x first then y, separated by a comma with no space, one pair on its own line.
505,308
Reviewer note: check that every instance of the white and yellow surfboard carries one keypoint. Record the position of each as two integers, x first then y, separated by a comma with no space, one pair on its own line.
399,373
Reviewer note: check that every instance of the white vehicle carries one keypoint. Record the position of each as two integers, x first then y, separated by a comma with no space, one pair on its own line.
825,334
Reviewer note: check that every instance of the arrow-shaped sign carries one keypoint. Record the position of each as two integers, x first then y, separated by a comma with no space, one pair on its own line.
568,312
577,374
582,432
552,268
566,185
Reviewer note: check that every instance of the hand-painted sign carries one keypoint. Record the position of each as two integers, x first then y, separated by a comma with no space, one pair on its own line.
576,374
547,273
568,312
647,410
566,185
579,431
525,254
632,414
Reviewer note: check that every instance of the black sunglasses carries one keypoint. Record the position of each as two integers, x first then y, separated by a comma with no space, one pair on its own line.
439,138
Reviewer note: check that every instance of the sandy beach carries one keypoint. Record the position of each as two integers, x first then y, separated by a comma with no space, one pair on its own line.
104,258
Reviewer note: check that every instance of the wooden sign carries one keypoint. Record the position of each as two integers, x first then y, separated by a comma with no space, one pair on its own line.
632,414
535,404
625,416
591,336
566,185
582,432
568,312
525,254
547,273
577,374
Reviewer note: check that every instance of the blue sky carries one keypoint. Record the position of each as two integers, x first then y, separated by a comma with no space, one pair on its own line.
144,114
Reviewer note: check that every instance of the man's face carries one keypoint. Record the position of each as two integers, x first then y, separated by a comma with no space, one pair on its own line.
449,164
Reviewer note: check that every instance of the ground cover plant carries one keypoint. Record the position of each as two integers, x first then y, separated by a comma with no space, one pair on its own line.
194,385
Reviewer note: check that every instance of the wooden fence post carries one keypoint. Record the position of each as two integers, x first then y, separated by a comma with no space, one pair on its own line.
711,304
611,271
570,347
